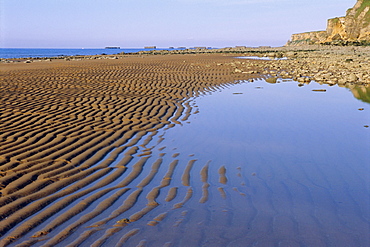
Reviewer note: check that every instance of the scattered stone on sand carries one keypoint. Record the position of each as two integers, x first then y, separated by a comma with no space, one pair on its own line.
333,65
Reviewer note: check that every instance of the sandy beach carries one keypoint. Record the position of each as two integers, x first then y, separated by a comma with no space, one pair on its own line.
64,123
78,132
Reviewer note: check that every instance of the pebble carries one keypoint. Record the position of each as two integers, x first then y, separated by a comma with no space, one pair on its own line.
324,64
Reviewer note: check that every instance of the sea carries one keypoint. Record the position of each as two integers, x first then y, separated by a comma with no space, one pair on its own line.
39,52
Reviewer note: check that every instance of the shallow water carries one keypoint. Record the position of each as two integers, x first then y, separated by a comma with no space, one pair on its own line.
299,158
255,164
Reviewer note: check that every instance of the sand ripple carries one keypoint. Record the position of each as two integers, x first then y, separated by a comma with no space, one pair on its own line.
70,132
78,166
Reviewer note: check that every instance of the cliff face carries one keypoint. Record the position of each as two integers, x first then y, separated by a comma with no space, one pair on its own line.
354,27
308,38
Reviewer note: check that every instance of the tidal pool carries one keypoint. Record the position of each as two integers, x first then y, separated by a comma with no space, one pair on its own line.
254,164
296,161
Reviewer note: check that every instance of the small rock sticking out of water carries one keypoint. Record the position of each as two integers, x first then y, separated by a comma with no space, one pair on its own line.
271,80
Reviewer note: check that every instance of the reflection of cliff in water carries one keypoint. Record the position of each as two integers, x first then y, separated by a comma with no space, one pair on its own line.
362,93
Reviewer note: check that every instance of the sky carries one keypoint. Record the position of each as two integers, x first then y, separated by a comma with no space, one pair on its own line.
161,23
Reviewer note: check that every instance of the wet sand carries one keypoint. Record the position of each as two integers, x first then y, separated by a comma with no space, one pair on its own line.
75,132
86,159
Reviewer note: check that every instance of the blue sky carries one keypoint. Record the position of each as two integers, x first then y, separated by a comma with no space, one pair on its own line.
164,23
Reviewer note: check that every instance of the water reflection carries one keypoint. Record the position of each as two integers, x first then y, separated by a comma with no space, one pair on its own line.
256,164
295,161
361,92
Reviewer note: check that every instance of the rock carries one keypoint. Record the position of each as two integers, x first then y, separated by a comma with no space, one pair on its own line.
341,81
332,81
352,78
290,54
271,80
271,55
300,79
307,80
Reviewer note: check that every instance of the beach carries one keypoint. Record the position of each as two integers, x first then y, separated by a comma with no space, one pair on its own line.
77,132
66,121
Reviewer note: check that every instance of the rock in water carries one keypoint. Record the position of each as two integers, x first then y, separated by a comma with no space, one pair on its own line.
271,80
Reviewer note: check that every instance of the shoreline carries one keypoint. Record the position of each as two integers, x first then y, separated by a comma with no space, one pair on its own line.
330,65
66,124
79,127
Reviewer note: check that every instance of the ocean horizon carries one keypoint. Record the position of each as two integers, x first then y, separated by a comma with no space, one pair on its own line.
6,53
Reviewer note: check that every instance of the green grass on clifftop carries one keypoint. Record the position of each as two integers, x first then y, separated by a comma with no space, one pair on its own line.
365,3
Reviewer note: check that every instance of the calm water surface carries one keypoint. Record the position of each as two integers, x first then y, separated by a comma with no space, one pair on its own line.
296,160
31,52
254,164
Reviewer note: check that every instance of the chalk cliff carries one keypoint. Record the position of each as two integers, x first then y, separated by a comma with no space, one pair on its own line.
354,28
308,38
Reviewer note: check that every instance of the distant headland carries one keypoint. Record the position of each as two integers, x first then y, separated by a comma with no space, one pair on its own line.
352,29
